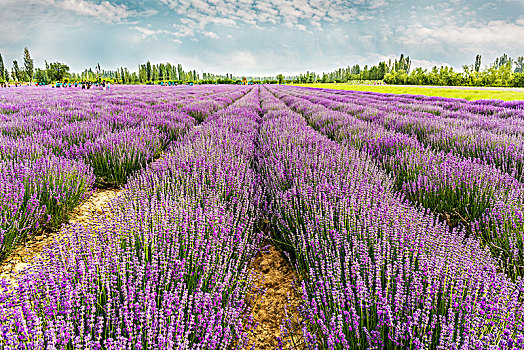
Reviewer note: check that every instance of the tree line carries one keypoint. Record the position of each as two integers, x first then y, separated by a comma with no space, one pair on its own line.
24,73
504,71
147,74
352,73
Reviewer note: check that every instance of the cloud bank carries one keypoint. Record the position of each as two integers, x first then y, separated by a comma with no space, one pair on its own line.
260,37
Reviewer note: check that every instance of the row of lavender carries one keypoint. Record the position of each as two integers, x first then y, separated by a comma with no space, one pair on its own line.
377,273
168,269
465,191
492,115
54,146
491,133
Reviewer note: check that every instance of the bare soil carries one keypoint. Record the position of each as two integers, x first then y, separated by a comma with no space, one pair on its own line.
86,213
278,305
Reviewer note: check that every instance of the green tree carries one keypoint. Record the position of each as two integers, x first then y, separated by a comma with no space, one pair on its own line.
477,63
41,76
57,71
142,74
519,64
148,70
16,71
29,65
98,72
280,78
502,61
180,72
382,70
2,69
403,64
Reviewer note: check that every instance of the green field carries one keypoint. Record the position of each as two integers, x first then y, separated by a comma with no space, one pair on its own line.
466,93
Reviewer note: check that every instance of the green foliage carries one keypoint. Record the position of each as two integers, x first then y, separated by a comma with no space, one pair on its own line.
399,72
29,66
57,71
41,76
519,65
2,70
502,61
16,73
500,73
445,76
477,63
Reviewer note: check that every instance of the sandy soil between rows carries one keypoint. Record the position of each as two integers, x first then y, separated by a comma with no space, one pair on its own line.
276,276
86,213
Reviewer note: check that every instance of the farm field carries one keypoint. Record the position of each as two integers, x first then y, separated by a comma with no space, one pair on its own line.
467,93
267,216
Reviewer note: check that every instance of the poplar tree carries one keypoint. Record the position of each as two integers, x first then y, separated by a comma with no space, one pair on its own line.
2,69
477,63
519,65
16,71
29,65
148,70
180,72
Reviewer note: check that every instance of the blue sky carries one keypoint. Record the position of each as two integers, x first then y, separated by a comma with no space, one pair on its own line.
259,37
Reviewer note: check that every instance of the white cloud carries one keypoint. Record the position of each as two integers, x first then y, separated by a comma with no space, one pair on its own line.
495,35
211,35
104,11
147,31
299,14
244,60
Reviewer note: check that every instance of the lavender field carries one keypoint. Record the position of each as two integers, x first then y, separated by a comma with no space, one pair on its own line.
402,215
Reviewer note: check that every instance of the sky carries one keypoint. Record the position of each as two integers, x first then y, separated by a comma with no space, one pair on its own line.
259,38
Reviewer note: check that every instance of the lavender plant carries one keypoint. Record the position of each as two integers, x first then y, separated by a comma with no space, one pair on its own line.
39,192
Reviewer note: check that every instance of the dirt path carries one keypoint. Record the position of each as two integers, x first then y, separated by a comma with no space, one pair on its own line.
86,213
277,277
